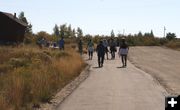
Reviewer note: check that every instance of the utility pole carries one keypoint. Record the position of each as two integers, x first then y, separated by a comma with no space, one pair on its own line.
164,31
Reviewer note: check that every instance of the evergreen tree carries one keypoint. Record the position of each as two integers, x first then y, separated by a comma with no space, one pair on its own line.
112,33
79,32
23,19
74,33
69,31
56,30
151,34
63,30
139,34
170,36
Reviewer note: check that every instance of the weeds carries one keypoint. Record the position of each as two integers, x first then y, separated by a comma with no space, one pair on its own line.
30,76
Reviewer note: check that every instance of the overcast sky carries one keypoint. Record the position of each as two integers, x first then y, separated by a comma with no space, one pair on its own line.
100,16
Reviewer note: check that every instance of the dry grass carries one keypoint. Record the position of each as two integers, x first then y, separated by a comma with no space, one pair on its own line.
174,44
29,76
3,104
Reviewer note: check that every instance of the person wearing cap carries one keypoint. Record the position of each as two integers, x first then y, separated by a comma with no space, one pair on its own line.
123,52
100,53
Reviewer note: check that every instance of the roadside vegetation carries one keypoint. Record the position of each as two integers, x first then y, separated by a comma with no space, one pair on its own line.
30,76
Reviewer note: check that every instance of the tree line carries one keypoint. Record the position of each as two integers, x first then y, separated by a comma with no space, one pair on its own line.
66,31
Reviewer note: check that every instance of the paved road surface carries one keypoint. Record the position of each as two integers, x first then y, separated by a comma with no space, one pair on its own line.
162,63
114,88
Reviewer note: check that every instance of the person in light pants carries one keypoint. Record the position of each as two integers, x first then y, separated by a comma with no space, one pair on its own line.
123,52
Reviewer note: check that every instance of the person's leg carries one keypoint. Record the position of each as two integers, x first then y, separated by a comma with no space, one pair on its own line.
102,60
113,54
125,58
99,61
81,52
63,47
122,59
107,55
111,51
89,53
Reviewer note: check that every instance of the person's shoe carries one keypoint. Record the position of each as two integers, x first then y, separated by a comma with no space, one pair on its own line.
99,65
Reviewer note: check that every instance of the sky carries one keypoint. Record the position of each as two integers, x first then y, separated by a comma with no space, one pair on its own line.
100,16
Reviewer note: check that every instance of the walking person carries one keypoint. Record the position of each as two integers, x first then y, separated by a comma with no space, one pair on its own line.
123,52
105,43
90,48
80,47
113,48
100,53
61,44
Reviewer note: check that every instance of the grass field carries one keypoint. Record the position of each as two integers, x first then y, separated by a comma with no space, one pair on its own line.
30,76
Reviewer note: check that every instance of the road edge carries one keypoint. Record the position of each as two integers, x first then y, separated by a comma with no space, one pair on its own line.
66,91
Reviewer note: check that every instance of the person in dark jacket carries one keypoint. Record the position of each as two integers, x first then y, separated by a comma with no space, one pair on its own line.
113,48
100,53
61,44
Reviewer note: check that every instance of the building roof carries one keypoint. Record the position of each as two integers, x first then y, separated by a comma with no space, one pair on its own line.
11,16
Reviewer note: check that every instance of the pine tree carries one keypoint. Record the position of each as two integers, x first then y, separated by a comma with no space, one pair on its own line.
151,34
79,32
22,17
69,31
63,30
139,34
112,33
74,33
56,30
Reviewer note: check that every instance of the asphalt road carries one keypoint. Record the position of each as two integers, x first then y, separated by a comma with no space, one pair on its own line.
161,63
115,88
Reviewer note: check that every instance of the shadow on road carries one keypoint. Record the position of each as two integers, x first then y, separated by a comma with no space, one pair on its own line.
121,67
96,67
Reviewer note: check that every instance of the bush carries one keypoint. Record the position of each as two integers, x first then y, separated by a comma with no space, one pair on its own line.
175,44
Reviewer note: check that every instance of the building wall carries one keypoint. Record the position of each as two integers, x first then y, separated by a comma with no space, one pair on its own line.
10,30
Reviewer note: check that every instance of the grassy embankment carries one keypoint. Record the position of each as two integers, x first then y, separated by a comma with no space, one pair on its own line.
174,44
29,76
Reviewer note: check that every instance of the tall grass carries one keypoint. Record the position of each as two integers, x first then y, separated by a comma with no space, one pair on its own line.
30,76
174,44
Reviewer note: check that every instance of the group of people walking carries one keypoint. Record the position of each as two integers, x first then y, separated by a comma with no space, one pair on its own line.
103,48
